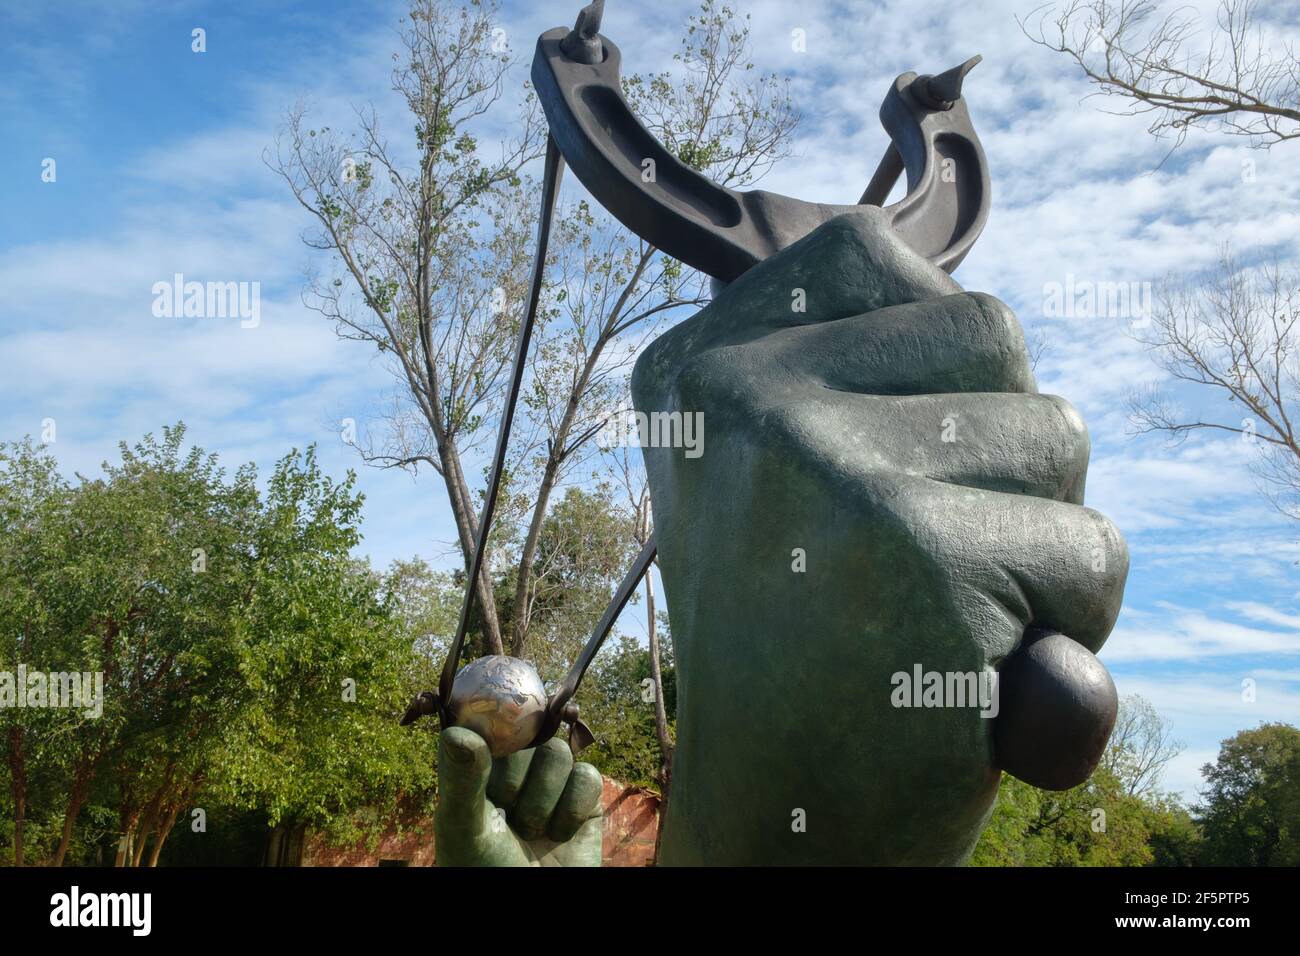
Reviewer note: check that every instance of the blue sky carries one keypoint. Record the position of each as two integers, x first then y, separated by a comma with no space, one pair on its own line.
159,171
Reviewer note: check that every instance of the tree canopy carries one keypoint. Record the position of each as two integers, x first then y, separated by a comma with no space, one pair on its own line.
1251,813
246,658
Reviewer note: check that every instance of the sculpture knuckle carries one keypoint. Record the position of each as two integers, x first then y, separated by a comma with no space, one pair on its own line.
556,746
1074,432
1112,545
1005,337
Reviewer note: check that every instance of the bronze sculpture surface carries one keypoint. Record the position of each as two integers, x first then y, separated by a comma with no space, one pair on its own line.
885,494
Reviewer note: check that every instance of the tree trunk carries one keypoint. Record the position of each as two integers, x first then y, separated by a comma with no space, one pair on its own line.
661,711
18,784
152,811
271,857
528,555
128,816
656,674
467,529
80,788
142,839
553,461
163,833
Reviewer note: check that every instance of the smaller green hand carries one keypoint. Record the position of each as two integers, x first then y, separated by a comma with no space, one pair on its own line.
535,807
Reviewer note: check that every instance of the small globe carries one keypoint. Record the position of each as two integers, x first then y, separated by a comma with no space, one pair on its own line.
501,699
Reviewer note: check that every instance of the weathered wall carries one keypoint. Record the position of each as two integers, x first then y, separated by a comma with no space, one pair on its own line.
631,823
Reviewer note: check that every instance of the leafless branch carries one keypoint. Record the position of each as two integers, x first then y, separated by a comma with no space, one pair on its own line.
1237,83
1234,332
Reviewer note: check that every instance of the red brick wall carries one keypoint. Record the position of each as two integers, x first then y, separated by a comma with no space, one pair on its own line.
414,846
631,822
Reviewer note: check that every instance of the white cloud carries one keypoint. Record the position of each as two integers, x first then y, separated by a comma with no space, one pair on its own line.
1189,635
1269,615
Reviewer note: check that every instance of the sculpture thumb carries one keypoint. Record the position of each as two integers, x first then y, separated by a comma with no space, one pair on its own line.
464,765
1058,706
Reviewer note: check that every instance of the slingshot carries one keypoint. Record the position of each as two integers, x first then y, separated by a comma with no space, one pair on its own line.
719,231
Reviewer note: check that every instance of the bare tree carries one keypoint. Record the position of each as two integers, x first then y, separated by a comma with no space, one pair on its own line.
438,296
1234,332
1140,747
436,258
609,292
1237,83
612,289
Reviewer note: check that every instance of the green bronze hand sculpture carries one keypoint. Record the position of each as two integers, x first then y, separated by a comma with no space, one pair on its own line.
872,567
534,807
881,492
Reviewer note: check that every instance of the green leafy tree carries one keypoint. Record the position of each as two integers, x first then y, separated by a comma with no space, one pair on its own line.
1175,839
1251,814
617,704
247,660
328,662
33,497
1118,817
1095,824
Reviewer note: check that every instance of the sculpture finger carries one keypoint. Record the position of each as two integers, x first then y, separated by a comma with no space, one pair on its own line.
1020,444
547,776
1034,445
578,804
850,265
1039,562
464,764
508,776
968,342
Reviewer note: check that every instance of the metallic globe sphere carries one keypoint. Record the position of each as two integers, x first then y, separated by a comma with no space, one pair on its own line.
501,699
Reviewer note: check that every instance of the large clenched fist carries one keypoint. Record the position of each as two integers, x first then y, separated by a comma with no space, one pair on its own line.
881,495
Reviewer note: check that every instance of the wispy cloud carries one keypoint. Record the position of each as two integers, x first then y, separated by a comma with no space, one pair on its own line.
1194,635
